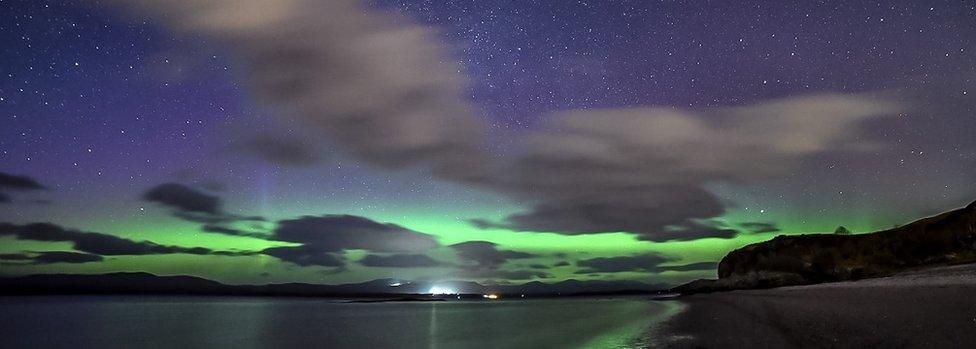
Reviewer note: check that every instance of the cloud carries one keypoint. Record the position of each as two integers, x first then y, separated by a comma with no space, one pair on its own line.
15,182
341,232
384,91
643,170
97,243
506,274
306,256
323,239
690,267
561,264
66,257
400,261
281,150
15,257
760,227
646,210
184,199
648,262
379,87
212,228
10,181
694,230
54,257
193,205
486,255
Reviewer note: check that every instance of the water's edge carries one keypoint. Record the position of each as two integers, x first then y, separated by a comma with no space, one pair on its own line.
658,333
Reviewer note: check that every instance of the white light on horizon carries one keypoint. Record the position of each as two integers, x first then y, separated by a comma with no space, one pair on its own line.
436,290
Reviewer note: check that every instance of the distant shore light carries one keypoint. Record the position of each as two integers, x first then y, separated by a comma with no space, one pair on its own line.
441,290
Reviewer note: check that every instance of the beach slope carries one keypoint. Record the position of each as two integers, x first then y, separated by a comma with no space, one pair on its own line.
933,308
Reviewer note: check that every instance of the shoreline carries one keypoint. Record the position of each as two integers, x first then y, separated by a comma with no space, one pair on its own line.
923,308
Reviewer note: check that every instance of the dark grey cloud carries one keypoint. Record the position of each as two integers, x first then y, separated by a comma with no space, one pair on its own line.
193,205
346,232
400,261
10,181
627,209
486,255
184,199
645,170
760,227
700,266
648,262
694,230
538,266
502,274
97,243
51,257
15,257
219,229
323,239
484,260
561,264
66,257
306,256
16,182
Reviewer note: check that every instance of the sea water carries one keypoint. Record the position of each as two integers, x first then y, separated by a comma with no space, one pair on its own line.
234,322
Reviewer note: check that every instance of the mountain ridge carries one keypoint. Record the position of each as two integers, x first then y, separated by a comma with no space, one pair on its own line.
147,283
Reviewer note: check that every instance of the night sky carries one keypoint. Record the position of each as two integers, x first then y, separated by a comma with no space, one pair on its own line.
494,141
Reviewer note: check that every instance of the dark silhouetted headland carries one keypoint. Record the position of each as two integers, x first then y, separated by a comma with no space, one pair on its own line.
948,238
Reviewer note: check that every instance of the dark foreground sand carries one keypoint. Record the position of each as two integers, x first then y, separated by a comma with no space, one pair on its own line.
934,308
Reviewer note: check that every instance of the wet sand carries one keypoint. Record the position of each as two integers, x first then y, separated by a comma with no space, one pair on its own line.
934,308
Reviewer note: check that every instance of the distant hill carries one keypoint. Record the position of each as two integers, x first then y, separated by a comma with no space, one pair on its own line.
121,283
145,283
948,238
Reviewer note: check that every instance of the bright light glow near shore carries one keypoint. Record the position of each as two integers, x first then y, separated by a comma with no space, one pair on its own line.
441,290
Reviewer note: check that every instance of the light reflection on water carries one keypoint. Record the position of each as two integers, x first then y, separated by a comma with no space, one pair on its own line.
191,322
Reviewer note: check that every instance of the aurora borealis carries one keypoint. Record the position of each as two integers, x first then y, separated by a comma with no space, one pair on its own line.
490,141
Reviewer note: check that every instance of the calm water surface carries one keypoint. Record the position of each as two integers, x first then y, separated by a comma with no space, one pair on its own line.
214,322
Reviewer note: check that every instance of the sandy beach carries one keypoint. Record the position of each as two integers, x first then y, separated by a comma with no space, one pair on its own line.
934,308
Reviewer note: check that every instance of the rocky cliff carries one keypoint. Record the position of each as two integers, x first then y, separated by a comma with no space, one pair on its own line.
948,238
